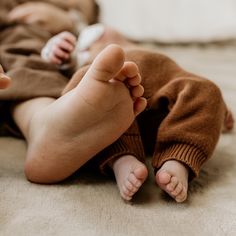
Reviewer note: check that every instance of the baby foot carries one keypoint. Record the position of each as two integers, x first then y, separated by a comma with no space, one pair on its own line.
71,130
130,174
122,87
173,179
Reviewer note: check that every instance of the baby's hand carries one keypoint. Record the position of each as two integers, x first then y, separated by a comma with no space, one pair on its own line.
59,48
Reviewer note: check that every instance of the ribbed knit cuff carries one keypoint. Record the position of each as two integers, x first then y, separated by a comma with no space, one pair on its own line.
125,145
191,156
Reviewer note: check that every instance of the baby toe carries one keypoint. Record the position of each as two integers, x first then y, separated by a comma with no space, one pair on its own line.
130,69
177,190
125,192
136,182
182,195
134,81
129,186
172,185
137,91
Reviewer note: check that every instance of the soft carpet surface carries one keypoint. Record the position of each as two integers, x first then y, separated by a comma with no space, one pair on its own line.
89,204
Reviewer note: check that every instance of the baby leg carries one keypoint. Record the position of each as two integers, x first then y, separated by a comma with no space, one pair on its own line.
63,134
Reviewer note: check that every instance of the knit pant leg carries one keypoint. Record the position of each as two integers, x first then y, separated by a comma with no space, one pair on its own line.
129,143
190,130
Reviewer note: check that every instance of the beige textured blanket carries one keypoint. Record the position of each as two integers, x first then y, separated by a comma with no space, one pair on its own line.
89,204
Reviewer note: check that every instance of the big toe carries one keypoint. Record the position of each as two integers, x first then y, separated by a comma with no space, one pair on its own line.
107,64
141,173
163,178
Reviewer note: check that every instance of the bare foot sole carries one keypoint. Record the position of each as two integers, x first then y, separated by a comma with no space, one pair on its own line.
71,130
130,174
173,179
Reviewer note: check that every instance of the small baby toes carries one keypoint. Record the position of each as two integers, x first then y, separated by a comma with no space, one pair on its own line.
130,69
177,190
132,178
137,91
134,81
124,191
182,196
130,174
129,185
172,185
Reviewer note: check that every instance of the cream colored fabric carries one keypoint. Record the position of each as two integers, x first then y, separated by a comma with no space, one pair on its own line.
171,20
90,205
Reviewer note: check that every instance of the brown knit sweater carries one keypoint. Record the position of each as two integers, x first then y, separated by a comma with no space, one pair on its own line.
183,119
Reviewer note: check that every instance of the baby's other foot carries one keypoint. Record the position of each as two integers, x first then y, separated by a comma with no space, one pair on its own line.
173,179
86,119
130,174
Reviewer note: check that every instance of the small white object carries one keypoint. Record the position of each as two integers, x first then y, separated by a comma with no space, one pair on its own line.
89,35
45,53
82,58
